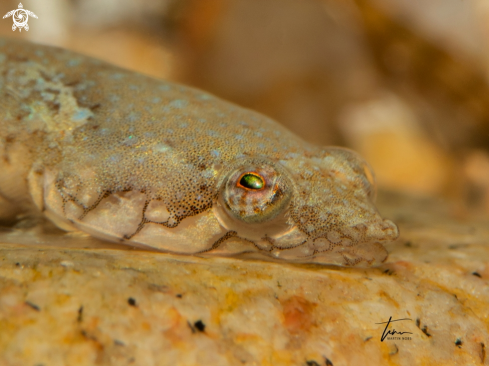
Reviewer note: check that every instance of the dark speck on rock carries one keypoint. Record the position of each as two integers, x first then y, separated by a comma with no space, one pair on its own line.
312,363
456,246
395,350
80,315
199,325
477,274
131,301
425,330
33,306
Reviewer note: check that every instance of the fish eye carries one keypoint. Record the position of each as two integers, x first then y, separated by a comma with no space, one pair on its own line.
252,181
255,192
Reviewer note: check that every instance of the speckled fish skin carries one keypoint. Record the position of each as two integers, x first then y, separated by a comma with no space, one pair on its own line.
132,159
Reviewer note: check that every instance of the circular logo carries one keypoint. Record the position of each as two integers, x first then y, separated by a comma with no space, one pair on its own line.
20,18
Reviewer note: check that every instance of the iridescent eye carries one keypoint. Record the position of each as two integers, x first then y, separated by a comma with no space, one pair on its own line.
256,191
251,181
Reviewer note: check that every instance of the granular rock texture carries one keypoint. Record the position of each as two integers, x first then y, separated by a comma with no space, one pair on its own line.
75,306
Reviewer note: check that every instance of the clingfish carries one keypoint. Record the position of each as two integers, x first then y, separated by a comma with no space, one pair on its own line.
150,163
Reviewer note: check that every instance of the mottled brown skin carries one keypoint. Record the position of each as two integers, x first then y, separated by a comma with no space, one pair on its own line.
141,161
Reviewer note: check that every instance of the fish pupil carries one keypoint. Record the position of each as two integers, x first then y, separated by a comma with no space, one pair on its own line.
251,181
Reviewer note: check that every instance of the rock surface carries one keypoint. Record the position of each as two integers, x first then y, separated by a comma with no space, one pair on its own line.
62,304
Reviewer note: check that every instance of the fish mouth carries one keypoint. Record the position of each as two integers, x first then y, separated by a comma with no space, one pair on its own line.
359,245
381,230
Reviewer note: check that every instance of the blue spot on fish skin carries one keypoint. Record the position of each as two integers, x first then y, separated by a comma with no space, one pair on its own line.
258,134
215,153
183,125
178,103
2,58
307,174
130,140
49,97
238,137
81,115
205,97
212,133
40,82
104,131
114,98
292,155
339,189
161,147
114,158
133,116
117,76
156,100
329,159
164,87
39,53
73,62
133,87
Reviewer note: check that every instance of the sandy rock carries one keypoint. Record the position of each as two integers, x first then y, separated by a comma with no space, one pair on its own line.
75,306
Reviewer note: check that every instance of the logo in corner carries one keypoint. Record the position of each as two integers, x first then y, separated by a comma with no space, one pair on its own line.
21,17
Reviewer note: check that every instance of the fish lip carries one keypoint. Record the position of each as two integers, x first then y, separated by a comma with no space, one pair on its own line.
390,225
381,231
